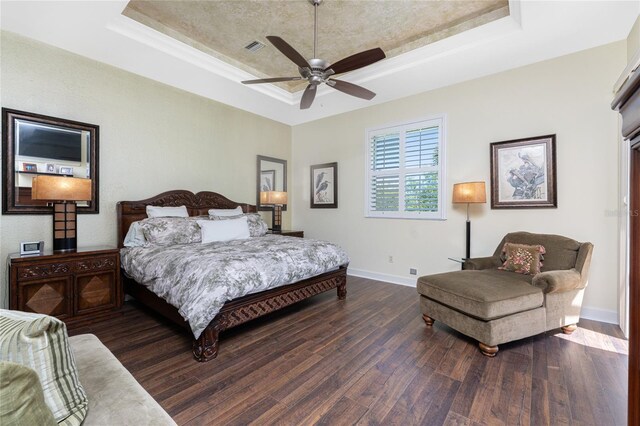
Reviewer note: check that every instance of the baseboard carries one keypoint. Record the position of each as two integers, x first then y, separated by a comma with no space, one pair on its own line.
388,278
596,314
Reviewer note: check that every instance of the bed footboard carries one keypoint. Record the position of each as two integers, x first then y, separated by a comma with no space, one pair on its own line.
253,306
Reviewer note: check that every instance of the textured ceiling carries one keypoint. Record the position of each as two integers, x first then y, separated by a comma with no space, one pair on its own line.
223,28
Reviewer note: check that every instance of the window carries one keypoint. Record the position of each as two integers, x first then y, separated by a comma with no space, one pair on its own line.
405,170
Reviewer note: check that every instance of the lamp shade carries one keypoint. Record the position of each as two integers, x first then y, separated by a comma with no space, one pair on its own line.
59,188
273,197
469,192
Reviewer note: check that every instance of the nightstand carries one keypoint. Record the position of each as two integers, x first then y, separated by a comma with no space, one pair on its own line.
288,233
78,286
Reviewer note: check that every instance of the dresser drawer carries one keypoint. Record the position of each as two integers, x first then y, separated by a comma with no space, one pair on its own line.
44,270
102,263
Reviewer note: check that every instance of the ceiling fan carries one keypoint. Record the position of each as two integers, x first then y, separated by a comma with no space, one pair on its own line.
317,71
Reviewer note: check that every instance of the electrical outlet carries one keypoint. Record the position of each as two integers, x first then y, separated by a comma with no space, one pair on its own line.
413,271
390,259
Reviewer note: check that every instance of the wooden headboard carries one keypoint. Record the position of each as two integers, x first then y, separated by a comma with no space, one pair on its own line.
197,205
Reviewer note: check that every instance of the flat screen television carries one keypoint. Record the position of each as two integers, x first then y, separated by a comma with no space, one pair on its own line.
42,141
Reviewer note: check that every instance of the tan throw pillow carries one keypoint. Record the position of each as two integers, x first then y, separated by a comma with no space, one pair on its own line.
21,397
40,342
522,258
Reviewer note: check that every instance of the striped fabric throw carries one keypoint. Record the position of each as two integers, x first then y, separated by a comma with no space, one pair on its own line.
40,342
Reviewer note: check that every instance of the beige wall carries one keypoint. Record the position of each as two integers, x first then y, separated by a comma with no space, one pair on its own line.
152,137
633,40
568,96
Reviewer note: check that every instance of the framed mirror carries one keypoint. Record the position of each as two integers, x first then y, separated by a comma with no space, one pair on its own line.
271,176
33,145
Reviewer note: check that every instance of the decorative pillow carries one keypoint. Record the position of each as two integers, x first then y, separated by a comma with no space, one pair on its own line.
226,212
40,342
155,211
522,258
135,236
22,401
166,231
224,230
257,226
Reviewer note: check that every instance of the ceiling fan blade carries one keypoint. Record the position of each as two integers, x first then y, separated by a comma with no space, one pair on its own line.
308,96
358,60
271,80
351,89
289,51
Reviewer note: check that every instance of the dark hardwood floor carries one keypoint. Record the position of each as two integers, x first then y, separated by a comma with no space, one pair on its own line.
371,360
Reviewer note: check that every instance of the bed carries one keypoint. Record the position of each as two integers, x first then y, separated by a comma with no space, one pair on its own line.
233,312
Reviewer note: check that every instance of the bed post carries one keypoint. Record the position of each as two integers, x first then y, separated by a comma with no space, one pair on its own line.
205,347
342,290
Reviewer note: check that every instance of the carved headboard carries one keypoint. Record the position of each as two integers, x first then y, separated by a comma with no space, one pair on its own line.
197,205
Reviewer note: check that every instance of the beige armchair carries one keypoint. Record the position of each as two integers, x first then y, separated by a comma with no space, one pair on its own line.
495,306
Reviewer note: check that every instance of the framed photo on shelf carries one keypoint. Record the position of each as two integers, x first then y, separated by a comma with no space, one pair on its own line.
324,186
523,173
267,180
64,170
29,167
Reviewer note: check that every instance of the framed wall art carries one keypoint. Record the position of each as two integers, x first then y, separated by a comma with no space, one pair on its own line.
29,167
324,186
267,180
523,173
64,170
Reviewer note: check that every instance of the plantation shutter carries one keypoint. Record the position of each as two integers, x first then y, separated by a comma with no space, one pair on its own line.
405,171
385,186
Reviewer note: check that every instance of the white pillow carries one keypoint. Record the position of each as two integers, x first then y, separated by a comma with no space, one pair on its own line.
224,230
135,236
226,212
154,211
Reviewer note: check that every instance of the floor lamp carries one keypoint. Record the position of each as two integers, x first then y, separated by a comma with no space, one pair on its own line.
469,192
63,192
276,199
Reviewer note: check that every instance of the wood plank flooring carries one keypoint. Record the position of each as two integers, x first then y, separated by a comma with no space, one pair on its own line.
371,360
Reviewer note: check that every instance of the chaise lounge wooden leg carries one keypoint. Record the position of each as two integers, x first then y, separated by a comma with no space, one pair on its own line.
486,350
568,329
427,319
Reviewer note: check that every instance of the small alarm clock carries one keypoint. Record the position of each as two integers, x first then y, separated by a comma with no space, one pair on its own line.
31,247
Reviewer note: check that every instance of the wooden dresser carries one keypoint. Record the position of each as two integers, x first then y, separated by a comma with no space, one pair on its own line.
79,286
288,233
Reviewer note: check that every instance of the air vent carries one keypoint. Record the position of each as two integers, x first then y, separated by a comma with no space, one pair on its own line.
254,46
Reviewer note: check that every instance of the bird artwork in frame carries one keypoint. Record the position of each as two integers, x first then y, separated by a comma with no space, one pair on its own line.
324,186
523,173
267,180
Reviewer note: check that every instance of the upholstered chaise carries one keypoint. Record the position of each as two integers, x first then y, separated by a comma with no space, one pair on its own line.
495,306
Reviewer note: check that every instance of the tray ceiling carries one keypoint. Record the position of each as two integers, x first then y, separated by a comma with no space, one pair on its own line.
223,28
533,31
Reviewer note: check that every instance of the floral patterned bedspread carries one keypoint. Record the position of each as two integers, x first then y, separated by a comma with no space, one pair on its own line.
199,278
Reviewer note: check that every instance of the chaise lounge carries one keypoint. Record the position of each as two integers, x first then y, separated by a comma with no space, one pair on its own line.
496,306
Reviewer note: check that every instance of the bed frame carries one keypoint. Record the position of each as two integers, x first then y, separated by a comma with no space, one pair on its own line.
236,311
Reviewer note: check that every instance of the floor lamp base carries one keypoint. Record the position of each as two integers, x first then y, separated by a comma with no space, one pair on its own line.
468,252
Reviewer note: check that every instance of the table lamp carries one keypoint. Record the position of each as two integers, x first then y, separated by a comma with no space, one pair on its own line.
469,192
276,199
63,192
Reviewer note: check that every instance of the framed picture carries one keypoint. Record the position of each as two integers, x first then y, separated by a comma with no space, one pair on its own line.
29,167
66,170
51,168
267,180
324,186
523,173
